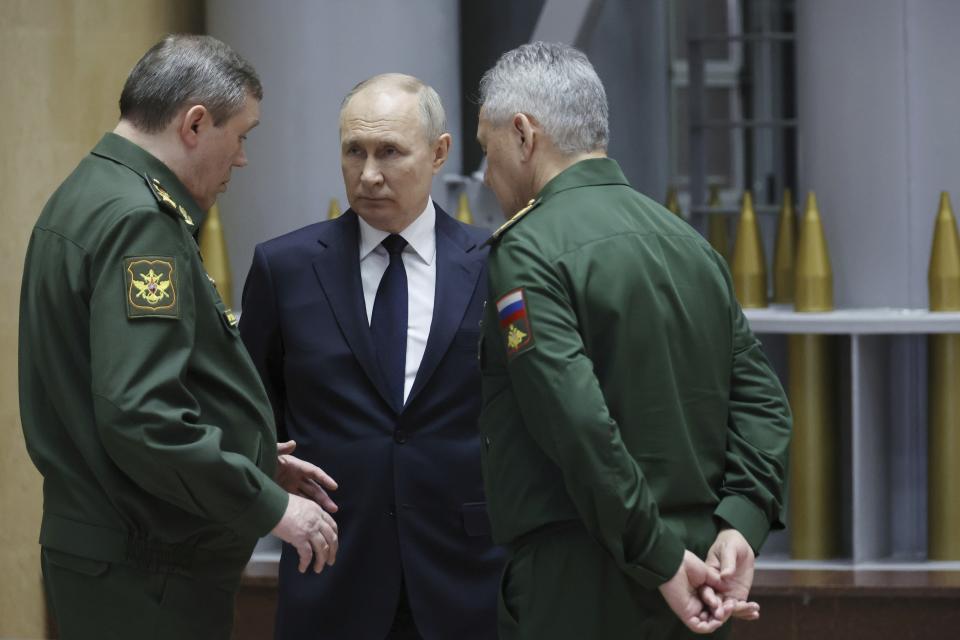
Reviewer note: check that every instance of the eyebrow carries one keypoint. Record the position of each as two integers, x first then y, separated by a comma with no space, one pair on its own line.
396,142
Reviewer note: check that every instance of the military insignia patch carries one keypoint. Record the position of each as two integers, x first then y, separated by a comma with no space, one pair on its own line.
514,323
151,287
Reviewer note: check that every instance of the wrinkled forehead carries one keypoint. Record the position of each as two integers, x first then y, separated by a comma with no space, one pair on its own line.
381,112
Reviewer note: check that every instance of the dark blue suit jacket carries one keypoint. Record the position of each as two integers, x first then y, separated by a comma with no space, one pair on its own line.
411,495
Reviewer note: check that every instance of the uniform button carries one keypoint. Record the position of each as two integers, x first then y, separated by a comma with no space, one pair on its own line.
399,436
392,512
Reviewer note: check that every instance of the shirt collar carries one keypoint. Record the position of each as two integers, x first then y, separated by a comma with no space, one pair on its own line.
419,234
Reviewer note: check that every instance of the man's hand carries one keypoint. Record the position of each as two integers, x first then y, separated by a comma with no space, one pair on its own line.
304,479
311,531
682,593
733,558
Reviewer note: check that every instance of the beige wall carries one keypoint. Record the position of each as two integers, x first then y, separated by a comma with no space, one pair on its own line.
62,65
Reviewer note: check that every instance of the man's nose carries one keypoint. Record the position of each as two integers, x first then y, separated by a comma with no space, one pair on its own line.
241,159
371,174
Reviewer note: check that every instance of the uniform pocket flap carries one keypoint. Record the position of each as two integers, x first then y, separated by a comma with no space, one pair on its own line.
476,522
86,566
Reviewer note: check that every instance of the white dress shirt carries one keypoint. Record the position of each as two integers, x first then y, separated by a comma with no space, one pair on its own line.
420,263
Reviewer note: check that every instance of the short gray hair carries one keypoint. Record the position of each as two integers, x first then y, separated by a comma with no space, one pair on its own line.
432,115
557,85
183,69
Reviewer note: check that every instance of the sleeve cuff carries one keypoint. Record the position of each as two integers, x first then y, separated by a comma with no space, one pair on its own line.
660,563
745,517
264,512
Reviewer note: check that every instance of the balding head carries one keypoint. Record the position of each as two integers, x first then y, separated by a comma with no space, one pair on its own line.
392,143
432,116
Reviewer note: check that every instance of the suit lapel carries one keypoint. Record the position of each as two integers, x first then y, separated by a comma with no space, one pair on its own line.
338,269
458,269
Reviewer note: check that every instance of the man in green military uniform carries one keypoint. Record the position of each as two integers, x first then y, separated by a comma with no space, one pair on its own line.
139,404
631,426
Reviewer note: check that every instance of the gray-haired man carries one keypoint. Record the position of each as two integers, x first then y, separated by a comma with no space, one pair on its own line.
140,406
631,423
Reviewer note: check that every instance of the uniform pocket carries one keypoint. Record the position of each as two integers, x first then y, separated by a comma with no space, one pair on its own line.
515,591
78,564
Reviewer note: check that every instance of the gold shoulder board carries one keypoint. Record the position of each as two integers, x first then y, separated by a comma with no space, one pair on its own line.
167,202
514,219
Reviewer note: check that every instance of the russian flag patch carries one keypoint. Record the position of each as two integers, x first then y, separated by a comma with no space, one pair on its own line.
514,322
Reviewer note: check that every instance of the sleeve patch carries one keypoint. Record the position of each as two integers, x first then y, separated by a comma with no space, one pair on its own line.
151,287
514,323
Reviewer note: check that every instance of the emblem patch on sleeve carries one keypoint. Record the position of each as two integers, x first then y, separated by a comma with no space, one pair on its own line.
514,323
151,285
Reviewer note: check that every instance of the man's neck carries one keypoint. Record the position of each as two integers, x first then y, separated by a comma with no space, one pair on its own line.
154,144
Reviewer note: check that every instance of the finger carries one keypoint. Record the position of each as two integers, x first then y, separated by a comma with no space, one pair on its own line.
329,521
713,556
713,561
329,530
310,489
305,551
746,610
311,471
712,579
695,624
286,448
728,560
321,477
747,615
320,551
709,598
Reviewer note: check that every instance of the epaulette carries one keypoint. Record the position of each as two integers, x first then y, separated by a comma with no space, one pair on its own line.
514,219
166,202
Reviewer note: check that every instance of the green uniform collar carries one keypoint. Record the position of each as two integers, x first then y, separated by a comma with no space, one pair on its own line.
593,172
140,161
585,173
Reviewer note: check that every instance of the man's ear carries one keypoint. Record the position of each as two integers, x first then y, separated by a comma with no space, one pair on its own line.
525,134
192,123
441,151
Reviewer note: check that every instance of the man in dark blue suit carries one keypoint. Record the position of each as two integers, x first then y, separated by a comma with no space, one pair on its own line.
365,330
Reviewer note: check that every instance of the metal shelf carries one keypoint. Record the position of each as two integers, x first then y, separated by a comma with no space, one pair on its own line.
783,319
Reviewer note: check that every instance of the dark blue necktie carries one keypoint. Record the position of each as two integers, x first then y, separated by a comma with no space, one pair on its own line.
388,322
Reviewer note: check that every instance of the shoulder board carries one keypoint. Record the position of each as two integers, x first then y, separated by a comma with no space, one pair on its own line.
514,219
166,202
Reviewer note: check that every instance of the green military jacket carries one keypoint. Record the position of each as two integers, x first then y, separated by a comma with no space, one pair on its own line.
139,403
622,386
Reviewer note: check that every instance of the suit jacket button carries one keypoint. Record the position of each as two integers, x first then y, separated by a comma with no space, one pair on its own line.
391,512
399,436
